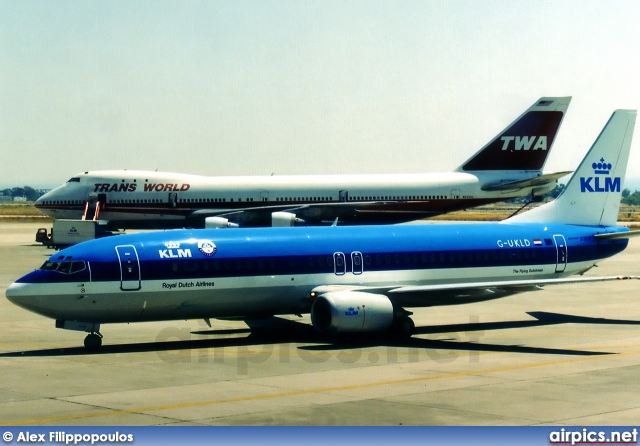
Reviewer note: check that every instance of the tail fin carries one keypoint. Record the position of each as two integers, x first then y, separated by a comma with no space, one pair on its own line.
525,143
592,196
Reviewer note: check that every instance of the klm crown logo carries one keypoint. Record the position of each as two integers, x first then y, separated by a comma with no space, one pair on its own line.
172,245
601,168
351,312
598,183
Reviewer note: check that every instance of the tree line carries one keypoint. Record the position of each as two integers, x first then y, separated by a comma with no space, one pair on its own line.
29,193
632,199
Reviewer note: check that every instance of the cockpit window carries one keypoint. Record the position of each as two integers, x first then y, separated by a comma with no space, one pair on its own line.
77,266
64,267
74,180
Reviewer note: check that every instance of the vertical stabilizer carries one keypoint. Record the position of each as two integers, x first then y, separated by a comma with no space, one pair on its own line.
525,144
592,195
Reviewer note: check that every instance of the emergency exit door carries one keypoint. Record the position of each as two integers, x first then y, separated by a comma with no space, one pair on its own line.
561,251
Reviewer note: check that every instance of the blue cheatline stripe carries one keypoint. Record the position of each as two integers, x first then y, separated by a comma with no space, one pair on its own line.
200,268
291,251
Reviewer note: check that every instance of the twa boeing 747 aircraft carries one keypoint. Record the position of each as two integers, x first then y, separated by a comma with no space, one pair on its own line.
350,279
509,166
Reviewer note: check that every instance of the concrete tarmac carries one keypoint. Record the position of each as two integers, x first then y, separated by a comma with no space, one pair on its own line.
568,355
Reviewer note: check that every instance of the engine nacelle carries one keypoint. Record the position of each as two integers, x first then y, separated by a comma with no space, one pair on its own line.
218,222
351,311
285,219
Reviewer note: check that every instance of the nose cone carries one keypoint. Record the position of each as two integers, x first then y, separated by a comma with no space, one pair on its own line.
56,203
29,294
51,195
18,294
40,203
41,199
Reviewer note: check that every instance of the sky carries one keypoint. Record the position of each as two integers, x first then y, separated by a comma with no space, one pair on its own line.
301,87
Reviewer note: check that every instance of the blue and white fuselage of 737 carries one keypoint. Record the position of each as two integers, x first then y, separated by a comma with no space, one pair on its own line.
350,279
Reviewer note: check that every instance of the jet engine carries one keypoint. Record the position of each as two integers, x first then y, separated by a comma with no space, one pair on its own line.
280,219
218,222
351,311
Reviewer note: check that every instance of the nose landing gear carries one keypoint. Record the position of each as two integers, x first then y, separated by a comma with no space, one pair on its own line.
93,341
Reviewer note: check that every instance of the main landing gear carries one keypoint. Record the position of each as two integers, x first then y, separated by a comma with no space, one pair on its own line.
402,325
93,341
405,327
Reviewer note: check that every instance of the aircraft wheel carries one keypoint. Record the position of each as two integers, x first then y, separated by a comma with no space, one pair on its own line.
93,341
406,327
403,327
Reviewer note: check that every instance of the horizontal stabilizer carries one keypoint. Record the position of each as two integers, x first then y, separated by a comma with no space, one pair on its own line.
538,181
617,235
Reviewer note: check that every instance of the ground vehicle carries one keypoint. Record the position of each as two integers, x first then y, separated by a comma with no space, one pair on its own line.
69,232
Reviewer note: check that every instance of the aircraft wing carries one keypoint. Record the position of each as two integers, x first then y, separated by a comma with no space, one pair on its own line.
521,184
285,208
310,212
460,293
515,285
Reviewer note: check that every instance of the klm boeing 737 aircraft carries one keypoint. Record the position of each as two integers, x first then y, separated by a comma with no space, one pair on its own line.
350,279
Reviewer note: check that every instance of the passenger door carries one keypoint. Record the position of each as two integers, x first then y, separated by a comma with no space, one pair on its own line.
129,268
173,199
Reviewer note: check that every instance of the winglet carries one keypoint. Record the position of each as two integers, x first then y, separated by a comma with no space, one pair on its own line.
592,196
525,143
